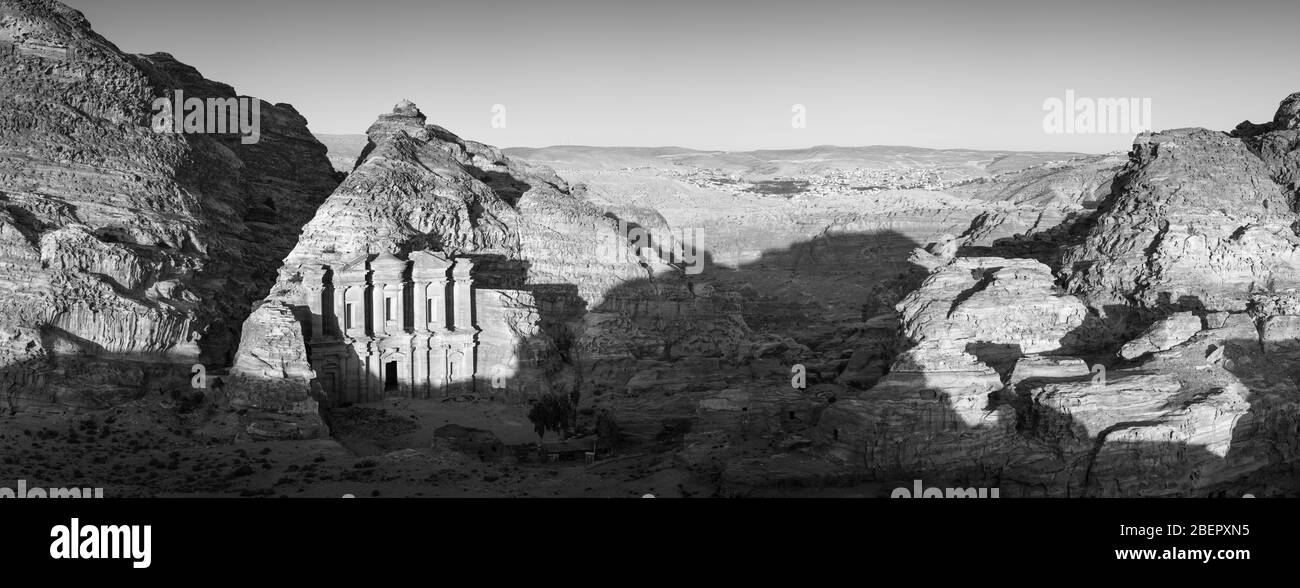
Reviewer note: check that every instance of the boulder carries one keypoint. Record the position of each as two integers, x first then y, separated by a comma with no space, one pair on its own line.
272,380
1162,335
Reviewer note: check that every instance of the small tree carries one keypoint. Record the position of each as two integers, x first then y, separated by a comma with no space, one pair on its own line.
553,412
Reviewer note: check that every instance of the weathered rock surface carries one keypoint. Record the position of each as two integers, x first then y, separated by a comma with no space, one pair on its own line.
568,302
996,309
1082,183
936,411
272,380
1197,223
1135,433
1188,269
1180,424
1162,335
127,255
1048,367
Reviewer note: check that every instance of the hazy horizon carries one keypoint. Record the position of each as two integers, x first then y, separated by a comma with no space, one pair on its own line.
723,76
806,148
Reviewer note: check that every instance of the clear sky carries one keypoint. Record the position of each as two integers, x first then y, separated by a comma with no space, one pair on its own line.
724,74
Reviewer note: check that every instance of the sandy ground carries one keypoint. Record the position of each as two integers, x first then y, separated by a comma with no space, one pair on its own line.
383,449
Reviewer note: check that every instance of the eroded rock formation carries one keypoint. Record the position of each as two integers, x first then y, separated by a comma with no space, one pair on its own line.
565,302
1182,283
129,255
936,411
1198,224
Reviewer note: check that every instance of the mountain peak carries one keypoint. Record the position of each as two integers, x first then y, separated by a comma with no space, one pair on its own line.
407,108
1288,113
406,116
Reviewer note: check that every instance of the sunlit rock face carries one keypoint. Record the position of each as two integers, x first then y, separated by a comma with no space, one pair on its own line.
129,255
564,301
1083,183
1162,335
994,308
1199,222
1214,414
271,383
1137,433
936,411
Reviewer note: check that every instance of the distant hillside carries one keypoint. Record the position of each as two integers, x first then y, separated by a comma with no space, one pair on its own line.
785,162
344,149
1082,182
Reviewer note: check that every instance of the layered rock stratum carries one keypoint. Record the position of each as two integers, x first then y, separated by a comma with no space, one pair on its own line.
129,255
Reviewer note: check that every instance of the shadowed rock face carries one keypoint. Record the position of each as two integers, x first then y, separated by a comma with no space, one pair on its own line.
933,413
1213,411
119,244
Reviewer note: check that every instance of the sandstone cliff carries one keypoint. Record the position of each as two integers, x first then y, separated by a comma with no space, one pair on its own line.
1199,222
129,255
566,300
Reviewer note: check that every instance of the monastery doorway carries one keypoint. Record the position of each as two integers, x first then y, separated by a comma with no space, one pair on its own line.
390,376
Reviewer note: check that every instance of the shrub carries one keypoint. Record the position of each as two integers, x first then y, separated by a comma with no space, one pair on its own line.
553,412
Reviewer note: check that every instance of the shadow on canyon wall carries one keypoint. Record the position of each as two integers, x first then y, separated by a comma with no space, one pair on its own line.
1106,467
1259,448
806,302
89,381
810,301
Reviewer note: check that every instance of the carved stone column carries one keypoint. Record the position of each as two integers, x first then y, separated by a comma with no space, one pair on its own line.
338,309
399,309
467,365
438,368
423,382
463,295
438,295
315,297
377,309
313,280
419,306
343,390
376,374
356,376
